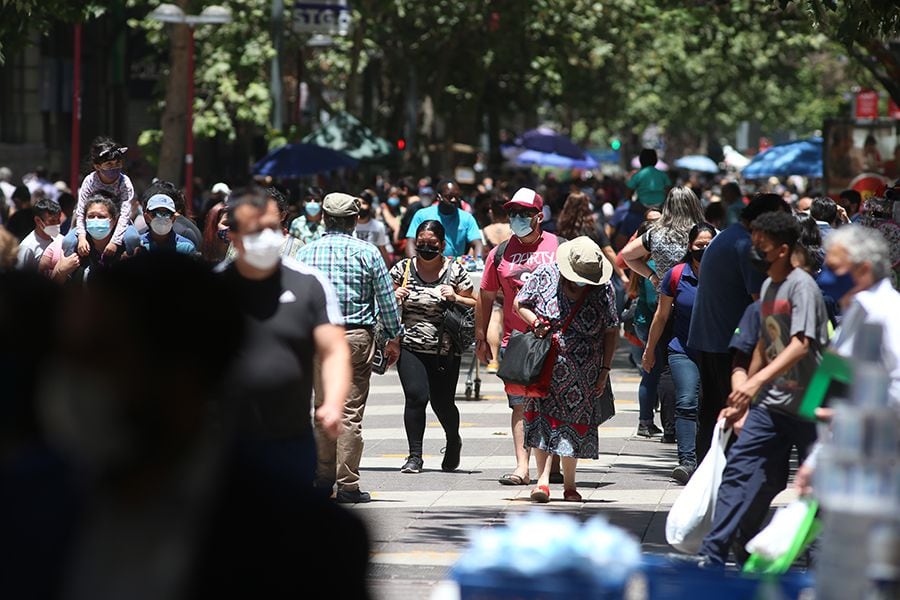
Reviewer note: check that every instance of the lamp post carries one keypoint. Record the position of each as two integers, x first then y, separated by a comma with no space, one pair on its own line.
211,15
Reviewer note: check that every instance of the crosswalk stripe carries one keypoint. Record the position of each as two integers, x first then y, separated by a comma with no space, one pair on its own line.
491,387
473,433
504,497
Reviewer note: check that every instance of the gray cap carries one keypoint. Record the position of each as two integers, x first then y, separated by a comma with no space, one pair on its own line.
338,204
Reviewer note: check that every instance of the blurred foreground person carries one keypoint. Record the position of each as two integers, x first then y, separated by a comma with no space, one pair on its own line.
175,507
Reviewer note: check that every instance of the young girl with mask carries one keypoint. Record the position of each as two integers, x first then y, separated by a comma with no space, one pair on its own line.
677,292
429,366
107,159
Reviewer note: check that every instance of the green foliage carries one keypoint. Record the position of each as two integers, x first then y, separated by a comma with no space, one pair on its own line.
231,66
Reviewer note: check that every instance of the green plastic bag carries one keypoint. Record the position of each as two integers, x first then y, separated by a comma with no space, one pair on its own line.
789,533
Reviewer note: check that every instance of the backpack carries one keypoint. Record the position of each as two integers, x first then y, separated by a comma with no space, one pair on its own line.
677,272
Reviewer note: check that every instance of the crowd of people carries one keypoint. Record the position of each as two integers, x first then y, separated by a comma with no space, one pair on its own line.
319,284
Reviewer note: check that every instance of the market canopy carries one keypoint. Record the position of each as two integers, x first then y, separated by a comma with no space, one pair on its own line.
550,159
544,139
346,134
801,157
697,162
292,161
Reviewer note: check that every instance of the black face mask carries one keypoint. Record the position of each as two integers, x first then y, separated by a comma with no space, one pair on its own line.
446,208
698,254
365,213
758,260
428,252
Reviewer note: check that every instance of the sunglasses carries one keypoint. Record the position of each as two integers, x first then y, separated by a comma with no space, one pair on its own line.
162,214
111,154
522,213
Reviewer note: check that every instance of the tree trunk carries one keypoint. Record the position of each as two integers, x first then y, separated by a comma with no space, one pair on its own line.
174,116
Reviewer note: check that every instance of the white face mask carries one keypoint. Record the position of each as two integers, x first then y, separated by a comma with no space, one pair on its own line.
161,225
51,230
262,250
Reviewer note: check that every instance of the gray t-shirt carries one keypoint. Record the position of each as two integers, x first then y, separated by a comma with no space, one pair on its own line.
789,308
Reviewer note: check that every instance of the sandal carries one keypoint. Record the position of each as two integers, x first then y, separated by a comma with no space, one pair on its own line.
513,479
571,495
541,494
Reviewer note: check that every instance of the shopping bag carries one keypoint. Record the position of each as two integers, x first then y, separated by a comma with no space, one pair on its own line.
691,517
524,359
792,528
541,387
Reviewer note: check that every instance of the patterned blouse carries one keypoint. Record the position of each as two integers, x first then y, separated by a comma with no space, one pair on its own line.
424,308
667,247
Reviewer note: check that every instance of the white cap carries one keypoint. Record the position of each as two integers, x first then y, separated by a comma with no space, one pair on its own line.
221,188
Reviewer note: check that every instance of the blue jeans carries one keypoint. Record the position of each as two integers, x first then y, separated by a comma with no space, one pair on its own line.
686,376
649,381
757,469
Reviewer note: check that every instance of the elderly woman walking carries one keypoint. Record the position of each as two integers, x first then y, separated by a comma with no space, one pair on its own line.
574,301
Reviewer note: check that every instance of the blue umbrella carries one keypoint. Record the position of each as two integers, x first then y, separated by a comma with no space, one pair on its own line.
544,139
697,162
549,159
297,160
802,157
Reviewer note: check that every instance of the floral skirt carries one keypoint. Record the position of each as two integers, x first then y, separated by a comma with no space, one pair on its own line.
551,435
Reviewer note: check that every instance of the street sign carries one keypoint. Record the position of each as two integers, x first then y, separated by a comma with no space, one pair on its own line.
867,104
327,17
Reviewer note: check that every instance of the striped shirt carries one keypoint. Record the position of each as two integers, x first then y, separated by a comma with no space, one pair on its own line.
360,279
122,189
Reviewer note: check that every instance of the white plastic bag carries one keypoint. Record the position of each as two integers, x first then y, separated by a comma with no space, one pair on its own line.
780,535
691,517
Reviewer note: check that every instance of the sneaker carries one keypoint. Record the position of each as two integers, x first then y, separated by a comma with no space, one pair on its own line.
352,497
668,438
648,430
493,366
413,464
682,473
451,455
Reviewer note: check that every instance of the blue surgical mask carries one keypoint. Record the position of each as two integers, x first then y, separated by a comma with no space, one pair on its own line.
834,285
313,208
98,228
521,226
394,201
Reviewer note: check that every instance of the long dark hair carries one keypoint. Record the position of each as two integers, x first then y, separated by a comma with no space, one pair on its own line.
576,218
695,232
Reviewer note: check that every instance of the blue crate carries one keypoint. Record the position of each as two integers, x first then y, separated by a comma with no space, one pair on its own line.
668,579
502,584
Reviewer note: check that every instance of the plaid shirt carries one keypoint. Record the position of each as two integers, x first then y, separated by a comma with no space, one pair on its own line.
360,278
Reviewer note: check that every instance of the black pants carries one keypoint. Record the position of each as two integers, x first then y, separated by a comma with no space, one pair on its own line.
715,385
426,377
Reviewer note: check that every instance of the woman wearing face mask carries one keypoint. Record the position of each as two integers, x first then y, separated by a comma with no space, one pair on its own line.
308,226
666,242
572,300
107,158
100,213
428,366
678,290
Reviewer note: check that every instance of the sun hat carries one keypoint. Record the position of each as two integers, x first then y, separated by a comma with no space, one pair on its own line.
581,261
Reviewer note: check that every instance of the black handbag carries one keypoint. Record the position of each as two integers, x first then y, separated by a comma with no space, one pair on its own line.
526,353
458,323
524,357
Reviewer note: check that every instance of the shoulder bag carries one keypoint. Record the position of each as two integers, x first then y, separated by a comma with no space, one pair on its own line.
523,361
458,322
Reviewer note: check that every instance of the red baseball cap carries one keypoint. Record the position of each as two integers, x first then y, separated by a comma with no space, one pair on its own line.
525,198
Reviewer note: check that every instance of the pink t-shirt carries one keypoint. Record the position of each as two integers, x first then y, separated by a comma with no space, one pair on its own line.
518,261
52,254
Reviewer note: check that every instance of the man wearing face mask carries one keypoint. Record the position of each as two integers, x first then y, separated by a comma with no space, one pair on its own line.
461,228
308,226
507,267
360,277
159,213
369,228
794,330
292,316
46,229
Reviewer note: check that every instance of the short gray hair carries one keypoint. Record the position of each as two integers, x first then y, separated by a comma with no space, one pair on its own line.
863,244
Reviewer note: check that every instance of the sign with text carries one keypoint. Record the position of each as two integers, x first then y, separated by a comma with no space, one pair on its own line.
867,104
325,17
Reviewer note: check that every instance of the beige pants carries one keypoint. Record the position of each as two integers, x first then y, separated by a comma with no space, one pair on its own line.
338,460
